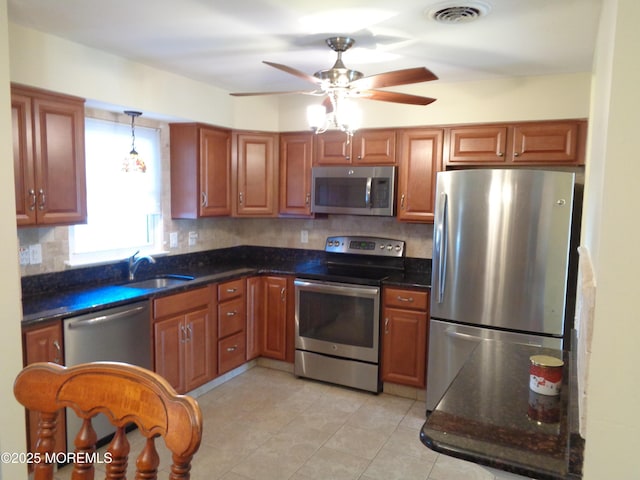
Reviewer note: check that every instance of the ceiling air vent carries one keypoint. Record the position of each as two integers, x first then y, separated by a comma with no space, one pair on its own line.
458,13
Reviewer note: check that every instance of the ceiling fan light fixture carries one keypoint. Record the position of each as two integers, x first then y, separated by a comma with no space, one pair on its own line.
458,12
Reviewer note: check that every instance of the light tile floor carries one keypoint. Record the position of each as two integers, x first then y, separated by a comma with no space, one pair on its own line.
266,424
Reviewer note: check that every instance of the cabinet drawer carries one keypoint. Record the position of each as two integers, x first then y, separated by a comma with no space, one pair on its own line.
181,302
231,289
413,299
231,317
231,352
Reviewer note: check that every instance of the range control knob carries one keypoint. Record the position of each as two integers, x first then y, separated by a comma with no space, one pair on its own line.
398,248
389,247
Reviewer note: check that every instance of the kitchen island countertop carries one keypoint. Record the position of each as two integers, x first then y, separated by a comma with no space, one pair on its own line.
485,416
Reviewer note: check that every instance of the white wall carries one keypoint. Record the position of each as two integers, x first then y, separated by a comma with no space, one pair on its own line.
12,432
611,231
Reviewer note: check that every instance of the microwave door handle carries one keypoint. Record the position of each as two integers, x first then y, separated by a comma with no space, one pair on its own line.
367,193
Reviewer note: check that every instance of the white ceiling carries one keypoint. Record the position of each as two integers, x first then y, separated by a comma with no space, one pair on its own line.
223,42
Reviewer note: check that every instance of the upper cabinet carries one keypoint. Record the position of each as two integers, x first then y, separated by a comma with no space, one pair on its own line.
420,160
366,147
200,171
256,174
48,157
296,150
533,143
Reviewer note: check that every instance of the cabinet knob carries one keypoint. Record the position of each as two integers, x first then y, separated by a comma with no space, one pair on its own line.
232,349
204,199
402,201
231,290
241,198
516,154
386,325
282,294
307,199
232,314
501,154
58,357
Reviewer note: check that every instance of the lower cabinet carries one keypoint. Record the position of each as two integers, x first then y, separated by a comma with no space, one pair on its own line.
232,319
271,317
185,338
44,344
404,337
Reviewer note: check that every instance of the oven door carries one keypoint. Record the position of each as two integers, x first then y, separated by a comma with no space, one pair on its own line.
338,319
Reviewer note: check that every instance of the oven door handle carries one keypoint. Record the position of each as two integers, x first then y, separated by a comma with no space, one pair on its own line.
367,193
342,289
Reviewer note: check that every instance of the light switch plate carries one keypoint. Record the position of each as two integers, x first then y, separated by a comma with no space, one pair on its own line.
304,236
193,238
173,240
23,253
35,254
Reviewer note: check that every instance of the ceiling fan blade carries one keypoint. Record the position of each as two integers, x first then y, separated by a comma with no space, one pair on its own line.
293,71
394,97
395,78
290,92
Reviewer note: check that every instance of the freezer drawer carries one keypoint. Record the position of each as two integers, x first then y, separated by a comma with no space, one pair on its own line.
450,345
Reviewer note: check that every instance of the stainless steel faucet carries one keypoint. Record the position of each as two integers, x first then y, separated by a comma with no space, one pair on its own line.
134,263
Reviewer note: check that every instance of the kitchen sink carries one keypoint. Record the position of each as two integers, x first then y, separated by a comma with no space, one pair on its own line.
160,281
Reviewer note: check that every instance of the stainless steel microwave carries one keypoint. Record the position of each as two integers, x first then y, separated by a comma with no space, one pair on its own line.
354,190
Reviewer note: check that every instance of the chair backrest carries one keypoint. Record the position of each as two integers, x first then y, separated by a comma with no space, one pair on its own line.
125,394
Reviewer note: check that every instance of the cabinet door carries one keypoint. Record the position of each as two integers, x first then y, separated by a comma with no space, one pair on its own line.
59,161
169,338
332,148
256,174
215,172
473,145
545,143
295,173
274,332
199,364
44,344
420,160
404,347
374,147
25,188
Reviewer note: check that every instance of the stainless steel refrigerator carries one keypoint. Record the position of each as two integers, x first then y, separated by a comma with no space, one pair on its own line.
500,266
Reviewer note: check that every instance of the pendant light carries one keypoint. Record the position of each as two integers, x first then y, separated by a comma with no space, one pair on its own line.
133,163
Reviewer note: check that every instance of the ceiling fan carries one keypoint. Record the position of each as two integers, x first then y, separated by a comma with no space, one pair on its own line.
340,82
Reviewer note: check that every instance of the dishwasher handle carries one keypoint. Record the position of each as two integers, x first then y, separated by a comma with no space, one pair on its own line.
89,322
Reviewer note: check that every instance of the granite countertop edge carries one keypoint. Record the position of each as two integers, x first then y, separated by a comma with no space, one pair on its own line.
50,297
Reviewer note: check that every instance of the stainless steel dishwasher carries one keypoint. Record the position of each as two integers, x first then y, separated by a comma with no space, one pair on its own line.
120,334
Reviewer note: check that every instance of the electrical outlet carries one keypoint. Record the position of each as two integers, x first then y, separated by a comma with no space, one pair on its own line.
173,240
35,254
193,238
304,236
23,253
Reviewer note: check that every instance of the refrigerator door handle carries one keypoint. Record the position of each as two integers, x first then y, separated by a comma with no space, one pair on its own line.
462,336
442,242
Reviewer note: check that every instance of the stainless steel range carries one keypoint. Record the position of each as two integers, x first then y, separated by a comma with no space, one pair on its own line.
338,311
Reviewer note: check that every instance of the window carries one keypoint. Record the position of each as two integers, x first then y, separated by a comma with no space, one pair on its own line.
124,213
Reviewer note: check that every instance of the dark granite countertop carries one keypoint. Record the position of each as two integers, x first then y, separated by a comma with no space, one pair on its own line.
77,291
484,416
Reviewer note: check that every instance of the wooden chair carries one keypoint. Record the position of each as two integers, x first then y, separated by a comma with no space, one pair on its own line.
125,393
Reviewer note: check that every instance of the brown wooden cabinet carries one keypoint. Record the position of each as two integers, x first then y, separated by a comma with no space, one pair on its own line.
232,320
185,338
366,147
48,157
296,150
420,160
274,336
404,339
200,170
44,344
270,317
527,143
256,173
